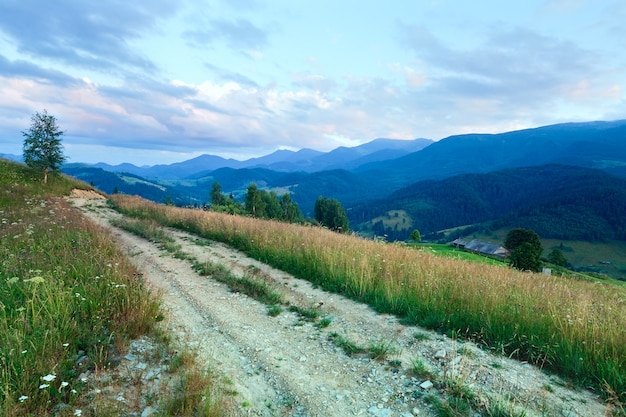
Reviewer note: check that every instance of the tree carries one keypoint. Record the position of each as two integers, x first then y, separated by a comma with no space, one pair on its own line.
330,213
557,257
525,248
416,236
42,149
290,211
255,205
217,198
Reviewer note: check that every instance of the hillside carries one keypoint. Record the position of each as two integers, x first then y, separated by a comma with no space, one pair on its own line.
126,183
557,201
598,145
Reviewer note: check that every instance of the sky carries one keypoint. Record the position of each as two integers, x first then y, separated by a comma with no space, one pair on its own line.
162,81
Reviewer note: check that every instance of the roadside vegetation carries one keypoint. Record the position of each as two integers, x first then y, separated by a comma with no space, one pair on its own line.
568,326
69,303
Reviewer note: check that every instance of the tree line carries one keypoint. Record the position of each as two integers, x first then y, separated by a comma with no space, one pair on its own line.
265,204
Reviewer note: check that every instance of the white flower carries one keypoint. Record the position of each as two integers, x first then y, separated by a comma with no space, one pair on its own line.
23,398
42,386
78,412
49,378
64,384
66,344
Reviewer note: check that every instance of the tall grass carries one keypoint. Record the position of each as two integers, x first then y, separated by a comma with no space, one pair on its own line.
65,288
574,328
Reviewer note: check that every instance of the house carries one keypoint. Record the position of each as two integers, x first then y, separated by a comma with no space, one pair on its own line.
482,248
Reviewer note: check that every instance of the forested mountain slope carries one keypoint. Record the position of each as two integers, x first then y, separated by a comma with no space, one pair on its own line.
556,201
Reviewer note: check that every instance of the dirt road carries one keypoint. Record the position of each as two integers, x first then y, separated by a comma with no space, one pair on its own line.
287,366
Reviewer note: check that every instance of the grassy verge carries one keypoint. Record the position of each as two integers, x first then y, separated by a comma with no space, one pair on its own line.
66,292
571,327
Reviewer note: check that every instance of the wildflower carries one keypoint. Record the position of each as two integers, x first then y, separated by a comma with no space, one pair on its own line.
49,377
24,351
78,412
66,344
64,384
35,280
23,398
42,386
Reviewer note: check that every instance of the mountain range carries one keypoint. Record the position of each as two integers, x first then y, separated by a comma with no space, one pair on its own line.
534,175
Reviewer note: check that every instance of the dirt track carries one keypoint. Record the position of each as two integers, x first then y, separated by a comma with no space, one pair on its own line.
286,366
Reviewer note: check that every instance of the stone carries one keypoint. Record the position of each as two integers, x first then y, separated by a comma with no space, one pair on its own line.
380,412
440,354
148,411
426,385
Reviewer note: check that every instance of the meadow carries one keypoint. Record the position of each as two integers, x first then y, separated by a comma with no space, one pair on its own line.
574,328
70,300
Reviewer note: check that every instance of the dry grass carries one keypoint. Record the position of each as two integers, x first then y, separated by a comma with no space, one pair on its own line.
575,328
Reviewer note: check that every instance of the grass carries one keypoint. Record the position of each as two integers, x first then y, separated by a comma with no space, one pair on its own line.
448,251
381,349
571,327
247,285
274,310
65,290
309,314
348,347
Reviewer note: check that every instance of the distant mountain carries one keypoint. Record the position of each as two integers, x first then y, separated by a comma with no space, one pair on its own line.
595,145
126,183
556,201
306,160
369,174
374,151
174,171
11,157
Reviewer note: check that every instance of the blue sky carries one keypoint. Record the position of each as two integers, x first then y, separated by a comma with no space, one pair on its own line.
160,81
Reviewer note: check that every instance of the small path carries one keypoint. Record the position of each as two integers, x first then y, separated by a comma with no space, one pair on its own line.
283,366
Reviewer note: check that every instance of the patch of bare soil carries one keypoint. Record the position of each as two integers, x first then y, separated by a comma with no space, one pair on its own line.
286,366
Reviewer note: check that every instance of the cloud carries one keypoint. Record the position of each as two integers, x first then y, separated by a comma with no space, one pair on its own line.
315,82
238,34
227,75
512,74
509,62
27,70
96,36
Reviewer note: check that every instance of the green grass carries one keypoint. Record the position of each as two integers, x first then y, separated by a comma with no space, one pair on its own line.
565,325
381,349
65,290
310,314
348,347
247,285
448,251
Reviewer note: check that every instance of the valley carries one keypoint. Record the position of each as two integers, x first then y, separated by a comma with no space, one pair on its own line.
566,182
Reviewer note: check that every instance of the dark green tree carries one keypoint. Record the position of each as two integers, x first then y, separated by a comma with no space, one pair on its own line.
42,149
255,205
273,210
416,236
290,211
217,198
525,249
330,213
557,257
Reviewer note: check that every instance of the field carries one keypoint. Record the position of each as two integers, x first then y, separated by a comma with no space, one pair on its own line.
594,257
572,327
448,251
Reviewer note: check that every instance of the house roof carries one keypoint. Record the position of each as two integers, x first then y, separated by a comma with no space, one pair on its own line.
486,248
